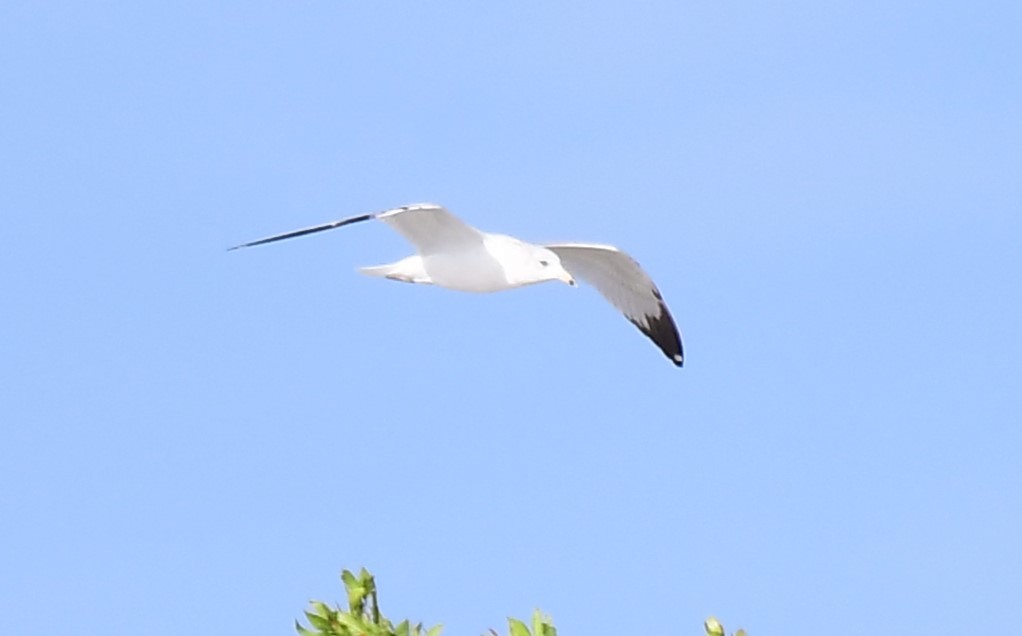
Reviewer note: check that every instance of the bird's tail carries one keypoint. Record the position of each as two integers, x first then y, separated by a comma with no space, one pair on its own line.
407,270
381,271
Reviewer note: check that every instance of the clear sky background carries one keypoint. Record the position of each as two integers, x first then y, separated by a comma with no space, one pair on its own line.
827,194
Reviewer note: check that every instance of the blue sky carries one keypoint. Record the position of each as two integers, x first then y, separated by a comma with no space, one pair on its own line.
827,194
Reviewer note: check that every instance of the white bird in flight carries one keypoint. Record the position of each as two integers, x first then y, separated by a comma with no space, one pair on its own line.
452,254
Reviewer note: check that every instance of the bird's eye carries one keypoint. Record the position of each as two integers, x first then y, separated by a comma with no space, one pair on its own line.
545,263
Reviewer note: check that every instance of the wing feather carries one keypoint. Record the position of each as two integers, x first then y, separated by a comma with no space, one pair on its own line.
431,228
427,226
623,282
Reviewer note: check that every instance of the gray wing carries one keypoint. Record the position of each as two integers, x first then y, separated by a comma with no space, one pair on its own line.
427,226
628,287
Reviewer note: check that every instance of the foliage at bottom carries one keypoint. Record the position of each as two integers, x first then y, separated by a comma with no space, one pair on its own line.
364,618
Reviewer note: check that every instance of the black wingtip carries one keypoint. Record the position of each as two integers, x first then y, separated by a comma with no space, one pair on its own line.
664,333
308,230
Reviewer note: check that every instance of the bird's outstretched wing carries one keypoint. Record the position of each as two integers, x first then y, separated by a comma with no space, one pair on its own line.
628,287
427,226
304,231
431,228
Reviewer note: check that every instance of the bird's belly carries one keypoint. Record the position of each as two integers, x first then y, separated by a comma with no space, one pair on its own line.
474,271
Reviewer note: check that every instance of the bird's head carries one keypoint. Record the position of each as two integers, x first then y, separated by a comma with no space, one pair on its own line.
548,267
528,264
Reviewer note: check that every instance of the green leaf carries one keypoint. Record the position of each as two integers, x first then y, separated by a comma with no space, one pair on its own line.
356,592
353,623
713,627
402,628
518,628
321,609
740,632
317,621
369,585
435,630
356,599
305,632
541,625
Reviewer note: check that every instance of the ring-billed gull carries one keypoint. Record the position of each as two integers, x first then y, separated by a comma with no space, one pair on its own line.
452,254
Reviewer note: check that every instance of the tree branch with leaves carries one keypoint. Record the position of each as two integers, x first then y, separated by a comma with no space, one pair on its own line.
364,618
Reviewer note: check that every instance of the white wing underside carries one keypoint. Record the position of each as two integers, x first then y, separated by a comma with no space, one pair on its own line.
620,279
431,228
